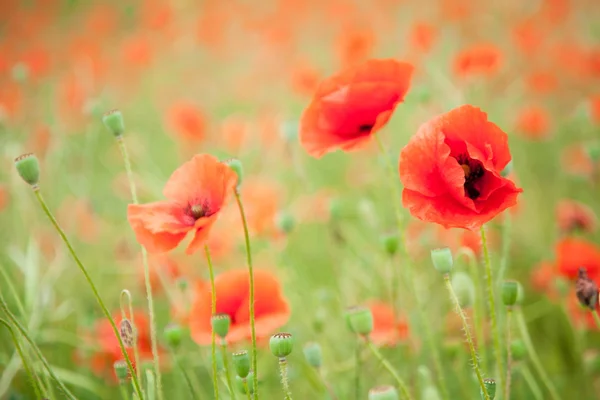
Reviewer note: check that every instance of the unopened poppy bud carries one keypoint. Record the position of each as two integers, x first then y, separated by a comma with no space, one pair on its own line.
113,121
285,221
127,333
442,260
389,243
20,72
28,168
507,170
383,393
360,320
586,290
313,354
173,335
241,363
237,167
249,381
121,370
518,350
490,387
464,287
281,344
220,324
510,291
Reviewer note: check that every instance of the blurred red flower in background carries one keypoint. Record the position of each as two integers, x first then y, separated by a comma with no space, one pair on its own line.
196,192
482,59
574,216
232,288
574,253
451,170
352,105
388,329
187,121
533,122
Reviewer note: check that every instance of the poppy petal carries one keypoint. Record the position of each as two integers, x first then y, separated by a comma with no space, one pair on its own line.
156,225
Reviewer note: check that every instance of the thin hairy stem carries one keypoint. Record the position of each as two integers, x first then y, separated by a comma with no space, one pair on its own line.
247,389
23,359
148,283
185,376
468,337
226,367
124,391
284,378
213,307
13,290
386,364
90,282
506,230
530,380
35,348
508,353
328,387
492,308
126,294
433,349
534,356
358,368
251,290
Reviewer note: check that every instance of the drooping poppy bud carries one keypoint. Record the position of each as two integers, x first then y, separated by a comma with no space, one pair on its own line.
28,168
127,333
586,290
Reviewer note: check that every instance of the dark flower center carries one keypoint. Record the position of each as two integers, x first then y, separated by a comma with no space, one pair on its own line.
198,211
365,128
473,173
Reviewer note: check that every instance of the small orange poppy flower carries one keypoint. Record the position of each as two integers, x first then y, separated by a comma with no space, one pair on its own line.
543,276
187,121
355,45
542,82
271,309
422,36
533,122
262,201
575,216
388,329
304,79
196,192
576,160
574,253
451,170
351,106
482,59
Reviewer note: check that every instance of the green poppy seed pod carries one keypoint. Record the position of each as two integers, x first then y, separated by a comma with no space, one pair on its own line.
464,287
507,170
520,293
237,167
360,320
113,121
518,350
510,291
313,354
173,335
121,370
285,221
442,260
281,344
389,243
127,333
220,324
490,387
28,168
241,363
249,381
289,131
383,393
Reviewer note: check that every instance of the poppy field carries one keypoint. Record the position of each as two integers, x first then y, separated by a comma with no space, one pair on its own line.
299,199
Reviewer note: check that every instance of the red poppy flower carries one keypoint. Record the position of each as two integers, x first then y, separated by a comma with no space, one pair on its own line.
352,105
422,36
542,82
388,329
187,121
196,192
483,59
533,122
543,277
271,309
451,170
574,253
575,216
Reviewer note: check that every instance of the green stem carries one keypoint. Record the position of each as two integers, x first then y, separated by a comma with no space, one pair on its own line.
13,290
433,349
534,356
508,353
136,355
251,289
23,359
124,391
213,305
148,283
401,385
492,307
185,375
35,348
533,386
328,387
596,318
247,389
226,366
284,379
89,280
506,230
358,364
468,337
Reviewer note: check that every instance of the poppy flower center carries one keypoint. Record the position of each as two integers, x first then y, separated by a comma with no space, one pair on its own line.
198,211
473,172
365,128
